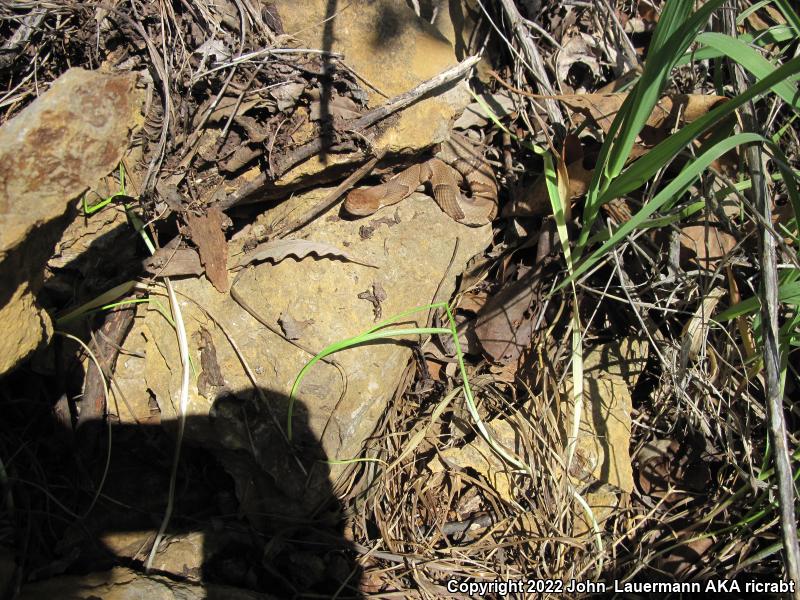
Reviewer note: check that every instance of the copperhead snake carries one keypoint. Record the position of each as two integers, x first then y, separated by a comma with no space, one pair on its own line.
457,161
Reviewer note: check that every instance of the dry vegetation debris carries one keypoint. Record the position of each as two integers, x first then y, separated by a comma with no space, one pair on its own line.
671,475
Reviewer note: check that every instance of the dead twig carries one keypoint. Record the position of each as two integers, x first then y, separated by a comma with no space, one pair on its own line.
626,52
332,198
768,292
406,99
106,347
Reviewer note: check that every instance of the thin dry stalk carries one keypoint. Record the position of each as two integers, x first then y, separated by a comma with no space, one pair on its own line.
759,196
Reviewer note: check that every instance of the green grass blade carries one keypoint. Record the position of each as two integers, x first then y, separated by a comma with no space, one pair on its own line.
752,61
372,335
88,210
789,14
105,298
672,17
402,315
640,103
674,32
788,292
368,336
674,189
643,169
789,179
773,35
742,16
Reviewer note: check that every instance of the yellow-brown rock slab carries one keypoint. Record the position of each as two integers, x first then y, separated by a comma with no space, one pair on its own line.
52,151
385,43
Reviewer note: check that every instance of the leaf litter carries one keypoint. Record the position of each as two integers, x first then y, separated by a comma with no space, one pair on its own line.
450,491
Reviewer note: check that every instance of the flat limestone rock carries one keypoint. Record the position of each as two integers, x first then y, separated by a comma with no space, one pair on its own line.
391,48
610,373
67,139
71,136
123,584
410,244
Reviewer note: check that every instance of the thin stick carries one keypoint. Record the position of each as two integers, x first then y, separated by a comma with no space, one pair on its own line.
759,196
108,422
183,346
332,198
406,99
628,50
769,320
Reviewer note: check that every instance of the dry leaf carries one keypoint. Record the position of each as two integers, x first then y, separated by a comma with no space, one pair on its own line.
603,108
292,328
474,115
272,18
572,150
742,322
210,374
434,368
502,327
479,456
277,250
207,234
256,131
473,301
534,200
476,270
621,81
668,469
339,108
647,12
287,94
375,296
214,48
756,22
696,329
168,262
645,20
578,49
705,245
775,14
686,559
225,108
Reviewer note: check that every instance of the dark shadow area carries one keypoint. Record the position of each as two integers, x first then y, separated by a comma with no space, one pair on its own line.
458,18
391,25
21,264
110,259
394,21
253,516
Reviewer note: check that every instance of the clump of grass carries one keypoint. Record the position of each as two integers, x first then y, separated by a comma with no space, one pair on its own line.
378,332
677,29
726,408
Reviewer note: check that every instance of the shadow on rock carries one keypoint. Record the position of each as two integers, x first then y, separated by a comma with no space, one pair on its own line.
260,522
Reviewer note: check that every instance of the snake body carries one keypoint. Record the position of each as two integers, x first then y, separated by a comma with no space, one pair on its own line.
457,161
